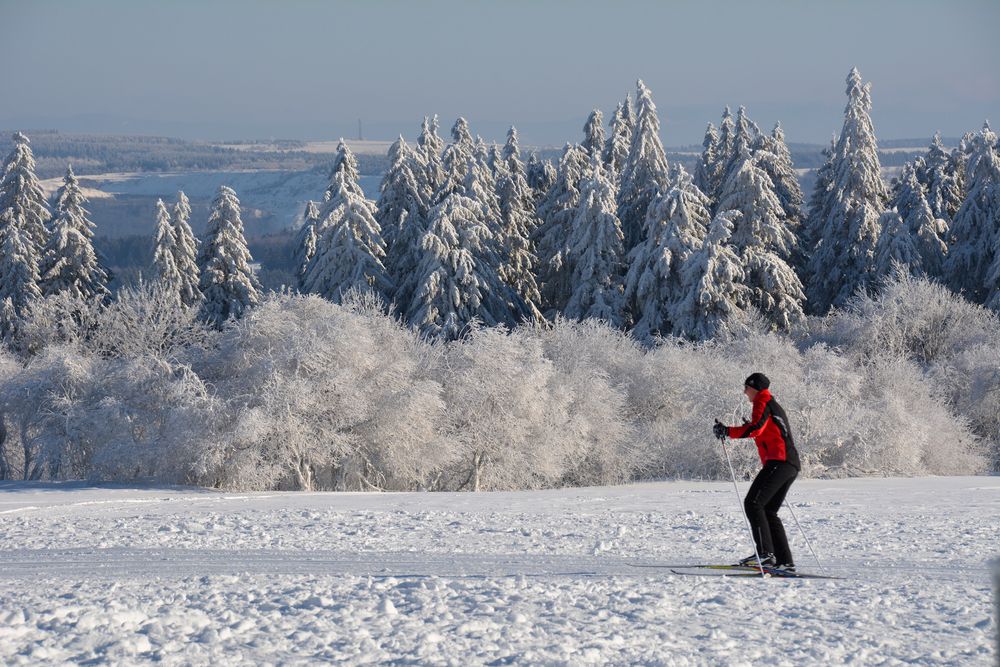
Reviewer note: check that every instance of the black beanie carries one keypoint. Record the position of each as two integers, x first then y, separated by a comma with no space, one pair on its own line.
757,381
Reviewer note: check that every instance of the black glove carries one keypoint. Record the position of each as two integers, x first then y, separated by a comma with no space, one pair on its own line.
719,430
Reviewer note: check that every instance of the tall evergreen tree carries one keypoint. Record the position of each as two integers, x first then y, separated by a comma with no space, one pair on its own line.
723,154
344,174
306,239
349,247
896,247
676,225
22,201
927,233
518,224
593,134
457,157
541,176
69,263
456,280
645,173
186,252
18,270
977,221
715,295
228,283
556,212
430,146
772,155
846,221
165,251
705,173
619,141
764,242
595,253
941,181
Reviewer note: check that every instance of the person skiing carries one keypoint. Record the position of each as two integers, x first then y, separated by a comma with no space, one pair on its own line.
769,428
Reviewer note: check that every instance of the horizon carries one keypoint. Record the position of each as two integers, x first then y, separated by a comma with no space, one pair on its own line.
309,78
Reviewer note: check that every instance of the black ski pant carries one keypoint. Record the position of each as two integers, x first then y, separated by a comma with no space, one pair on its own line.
762,504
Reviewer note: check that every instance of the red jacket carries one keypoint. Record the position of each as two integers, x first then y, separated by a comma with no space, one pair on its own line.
770,430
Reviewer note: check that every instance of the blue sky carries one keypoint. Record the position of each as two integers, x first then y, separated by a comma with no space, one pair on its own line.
308,69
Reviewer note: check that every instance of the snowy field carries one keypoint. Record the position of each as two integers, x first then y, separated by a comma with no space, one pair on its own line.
189,576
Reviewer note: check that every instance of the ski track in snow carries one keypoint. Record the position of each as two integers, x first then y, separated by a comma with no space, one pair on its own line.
187,576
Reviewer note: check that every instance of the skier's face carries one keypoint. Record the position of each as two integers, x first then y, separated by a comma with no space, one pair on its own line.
750,393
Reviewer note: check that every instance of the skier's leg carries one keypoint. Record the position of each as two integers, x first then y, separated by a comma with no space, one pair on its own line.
760,492
782,552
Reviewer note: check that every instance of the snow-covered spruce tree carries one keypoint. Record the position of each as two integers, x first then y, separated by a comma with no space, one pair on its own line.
344,174
18,268
595,254
975,225
457,282
305,240
817,200
645,173
745,138
593,134
518,222
186,252
619,140
165,251
400,194
21,198
896,249
845,222
723,154
676,225
455,161
715,296
772,155
941,181
430,146
705,171
556,213
927,233
69,263
540,176
228,283
349,247
401,215
764,242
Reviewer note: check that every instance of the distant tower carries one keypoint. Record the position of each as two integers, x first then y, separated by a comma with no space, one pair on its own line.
360,136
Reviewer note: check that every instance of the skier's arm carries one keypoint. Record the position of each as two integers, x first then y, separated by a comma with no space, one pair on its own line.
752,428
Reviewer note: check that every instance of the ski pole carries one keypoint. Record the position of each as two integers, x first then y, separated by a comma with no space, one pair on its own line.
746,520
808,544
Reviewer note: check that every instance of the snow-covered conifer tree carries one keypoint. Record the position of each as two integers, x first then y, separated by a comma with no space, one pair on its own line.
18,267
457,157
724,153
305,240
846,220
430,146
21,195
619,141
645,173
975,226
540,175
705,172
896,246
556,212
927,233
715,296
228,282
345,174
772,155
941,181
164,251
349,247
595,253
518,224
745,137
69,263
186,252
593,134
401,215
764,242
676,225
456,280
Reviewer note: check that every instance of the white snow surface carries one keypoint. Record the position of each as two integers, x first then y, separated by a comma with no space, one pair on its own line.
127,575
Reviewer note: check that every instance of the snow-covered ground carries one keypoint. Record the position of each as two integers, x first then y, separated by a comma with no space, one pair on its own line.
189,576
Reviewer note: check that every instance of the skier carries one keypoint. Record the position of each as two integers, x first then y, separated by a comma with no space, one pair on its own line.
770,430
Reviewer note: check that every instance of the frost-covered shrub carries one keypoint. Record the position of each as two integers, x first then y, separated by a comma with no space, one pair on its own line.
909,317
323,395
970,381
